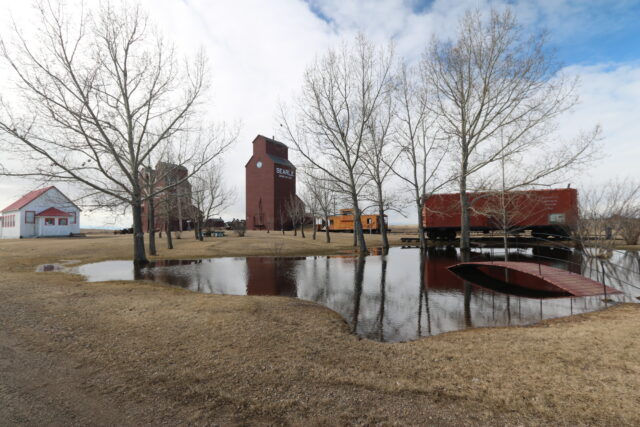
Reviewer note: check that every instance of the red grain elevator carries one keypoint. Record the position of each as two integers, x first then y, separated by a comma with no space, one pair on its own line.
270,181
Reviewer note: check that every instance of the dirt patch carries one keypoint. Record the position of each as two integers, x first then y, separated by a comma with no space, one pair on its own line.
123,353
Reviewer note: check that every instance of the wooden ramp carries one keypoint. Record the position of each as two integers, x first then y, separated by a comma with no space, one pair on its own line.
573,283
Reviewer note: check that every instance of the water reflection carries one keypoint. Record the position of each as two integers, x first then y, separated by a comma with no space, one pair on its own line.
396,296
272,276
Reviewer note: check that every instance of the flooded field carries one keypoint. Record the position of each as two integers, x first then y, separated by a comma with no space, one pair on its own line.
395,297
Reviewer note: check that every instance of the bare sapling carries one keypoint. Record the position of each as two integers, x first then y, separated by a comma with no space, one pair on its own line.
210,196
295,209
319,189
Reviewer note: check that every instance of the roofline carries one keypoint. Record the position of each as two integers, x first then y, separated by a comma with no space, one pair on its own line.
40,195
510,191
269,140
65,196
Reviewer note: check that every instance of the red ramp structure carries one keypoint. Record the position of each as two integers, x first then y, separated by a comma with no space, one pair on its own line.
538,279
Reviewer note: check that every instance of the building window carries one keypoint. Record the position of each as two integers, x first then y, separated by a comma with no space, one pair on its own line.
72,217
30,217
63,221
8,221
49,221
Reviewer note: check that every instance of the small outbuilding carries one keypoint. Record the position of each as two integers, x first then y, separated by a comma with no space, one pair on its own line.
46,212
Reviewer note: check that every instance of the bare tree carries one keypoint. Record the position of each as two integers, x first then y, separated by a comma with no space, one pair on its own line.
210,196
625,217
239,226
606,211
378,159
629,226
282,216
341,92
312,208
295,209
421,152
496,93
319,189
98,96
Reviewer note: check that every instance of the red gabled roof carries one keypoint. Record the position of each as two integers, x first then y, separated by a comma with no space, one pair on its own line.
26,199
53,212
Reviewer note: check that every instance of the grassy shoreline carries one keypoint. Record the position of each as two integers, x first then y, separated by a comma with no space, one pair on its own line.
132,353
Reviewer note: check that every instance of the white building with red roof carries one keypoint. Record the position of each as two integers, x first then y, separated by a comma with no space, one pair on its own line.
45,212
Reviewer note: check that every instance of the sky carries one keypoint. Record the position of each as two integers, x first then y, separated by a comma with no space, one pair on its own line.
258,51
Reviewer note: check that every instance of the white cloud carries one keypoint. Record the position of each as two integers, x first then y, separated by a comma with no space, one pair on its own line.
609,96
258,52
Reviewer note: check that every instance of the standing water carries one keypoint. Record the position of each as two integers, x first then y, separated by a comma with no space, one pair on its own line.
400,296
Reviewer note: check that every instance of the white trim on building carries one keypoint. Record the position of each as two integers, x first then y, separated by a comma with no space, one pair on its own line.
41,213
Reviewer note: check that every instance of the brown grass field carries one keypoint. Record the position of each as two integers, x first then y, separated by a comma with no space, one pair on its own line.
125,353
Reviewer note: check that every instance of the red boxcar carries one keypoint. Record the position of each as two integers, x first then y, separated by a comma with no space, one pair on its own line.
544,212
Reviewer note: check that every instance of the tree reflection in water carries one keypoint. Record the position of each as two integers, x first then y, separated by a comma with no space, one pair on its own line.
383,285
376,295
423,283
357,286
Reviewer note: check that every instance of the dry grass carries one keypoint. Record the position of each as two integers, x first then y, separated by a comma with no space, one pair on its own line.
141,353
108,246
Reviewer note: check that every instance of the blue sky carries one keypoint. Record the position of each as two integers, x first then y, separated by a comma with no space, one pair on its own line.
582,32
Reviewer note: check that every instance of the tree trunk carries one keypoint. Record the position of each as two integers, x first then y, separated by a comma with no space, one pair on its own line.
169,237
139,255
383,226
506,245
295,228
359,234
178,234
421,232
302,229
314,228
465,241
383,229
151,225
326,230
198,228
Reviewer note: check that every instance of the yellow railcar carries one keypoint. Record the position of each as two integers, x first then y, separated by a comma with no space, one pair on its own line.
343,222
